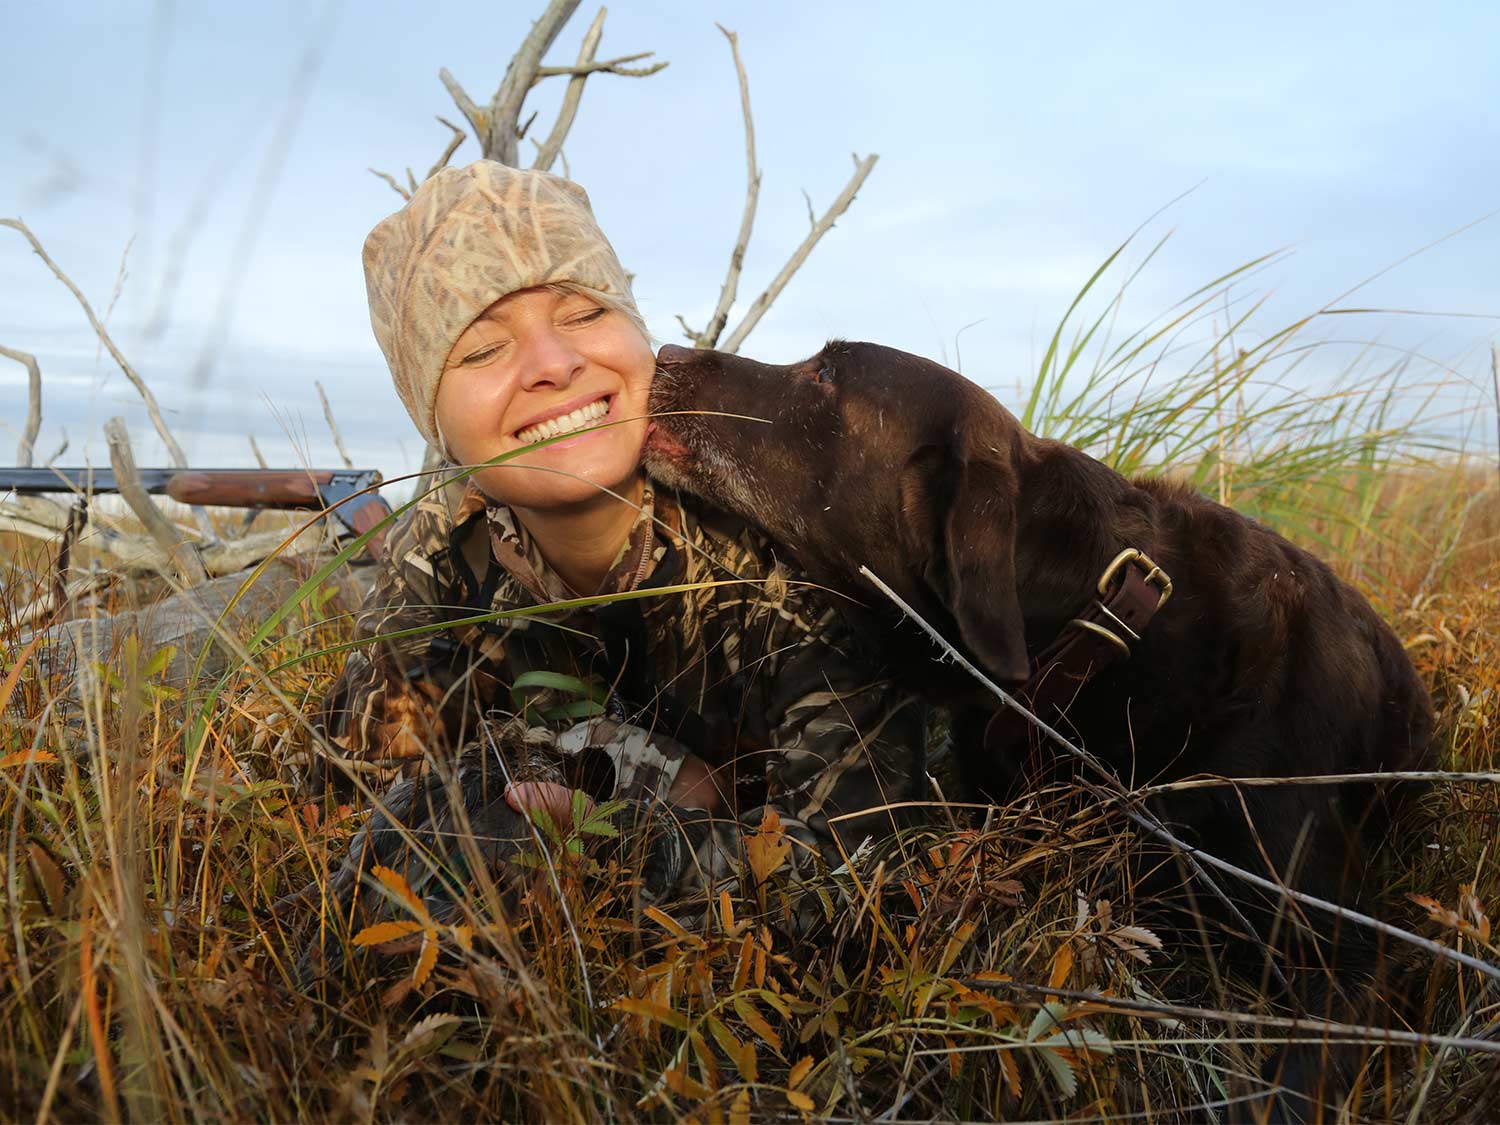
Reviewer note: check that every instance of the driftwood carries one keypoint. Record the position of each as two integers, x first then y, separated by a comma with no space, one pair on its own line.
105,534
185,622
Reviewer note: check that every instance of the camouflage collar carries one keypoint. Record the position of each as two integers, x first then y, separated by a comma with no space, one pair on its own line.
514,548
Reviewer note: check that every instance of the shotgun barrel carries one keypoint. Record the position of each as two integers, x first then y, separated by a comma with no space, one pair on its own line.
349,494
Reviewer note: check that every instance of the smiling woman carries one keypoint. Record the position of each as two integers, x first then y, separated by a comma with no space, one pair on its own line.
730,692
535,365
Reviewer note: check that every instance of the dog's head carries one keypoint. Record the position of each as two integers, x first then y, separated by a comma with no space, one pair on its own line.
859,456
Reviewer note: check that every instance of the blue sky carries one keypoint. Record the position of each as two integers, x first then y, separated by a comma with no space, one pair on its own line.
1019,145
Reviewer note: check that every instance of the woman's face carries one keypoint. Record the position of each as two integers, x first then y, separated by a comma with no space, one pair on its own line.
536,364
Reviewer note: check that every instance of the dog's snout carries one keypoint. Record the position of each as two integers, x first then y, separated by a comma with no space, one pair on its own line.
671,355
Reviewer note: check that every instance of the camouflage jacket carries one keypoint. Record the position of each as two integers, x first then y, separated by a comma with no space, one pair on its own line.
755,674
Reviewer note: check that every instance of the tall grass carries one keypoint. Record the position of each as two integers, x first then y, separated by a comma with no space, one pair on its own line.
997,968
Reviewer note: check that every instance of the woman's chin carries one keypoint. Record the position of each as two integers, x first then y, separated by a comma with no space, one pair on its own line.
543,487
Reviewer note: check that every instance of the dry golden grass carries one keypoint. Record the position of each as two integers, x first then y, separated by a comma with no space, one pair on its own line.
999,971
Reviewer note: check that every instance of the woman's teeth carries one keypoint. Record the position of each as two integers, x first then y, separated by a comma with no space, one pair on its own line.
554,427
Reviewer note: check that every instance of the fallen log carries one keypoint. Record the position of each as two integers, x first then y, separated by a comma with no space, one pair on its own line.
188,622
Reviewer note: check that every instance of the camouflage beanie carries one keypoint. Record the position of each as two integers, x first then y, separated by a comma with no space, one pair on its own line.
468,237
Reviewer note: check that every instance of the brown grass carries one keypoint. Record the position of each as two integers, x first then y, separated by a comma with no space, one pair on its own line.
146,975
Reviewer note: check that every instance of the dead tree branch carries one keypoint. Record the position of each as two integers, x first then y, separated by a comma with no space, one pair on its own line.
497,127
607,66
442,162
716,323
472,113
107,534
452,147
390,179
26,451
758,308
183,555
173,449
547,151
333,427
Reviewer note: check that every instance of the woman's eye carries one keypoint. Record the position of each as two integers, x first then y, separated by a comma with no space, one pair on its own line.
586,317
482,356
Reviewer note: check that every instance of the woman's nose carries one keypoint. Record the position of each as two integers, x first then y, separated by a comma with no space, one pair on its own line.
549,357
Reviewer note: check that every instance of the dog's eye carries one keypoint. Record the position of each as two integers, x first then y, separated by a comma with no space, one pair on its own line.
821,374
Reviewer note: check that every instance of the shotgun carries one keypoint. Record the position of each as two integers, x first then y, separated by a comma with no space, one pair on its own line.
340,492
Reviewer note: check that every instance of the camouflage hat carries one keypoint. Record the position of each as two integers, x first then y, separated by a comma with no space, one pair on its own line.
468,237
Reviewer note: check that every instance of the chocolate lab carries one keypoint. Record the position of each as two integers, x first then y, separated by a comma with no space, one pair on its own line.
1235,653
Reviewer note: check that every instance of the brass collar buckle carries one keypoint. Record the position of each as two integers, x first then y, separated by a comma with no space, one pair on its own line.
1106,624
1155,575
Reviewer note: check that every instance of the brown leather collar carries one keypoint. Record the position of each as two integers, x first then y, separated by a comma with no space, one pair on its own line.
1130,591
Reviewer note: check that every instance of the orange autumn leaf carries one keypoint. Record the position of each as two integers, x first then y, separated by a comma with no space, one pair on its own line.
800,1071
21,757
396,883
757,1022
1062,965
767,848
382,932
425,960
726,911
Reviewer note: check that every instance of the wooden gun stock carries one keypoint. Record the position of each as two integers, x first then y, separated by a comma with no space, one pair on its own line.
366,516
249,488
349,496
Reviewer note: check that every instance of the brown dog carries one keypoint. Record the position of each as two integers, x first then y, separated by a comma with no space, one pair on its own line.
1262,663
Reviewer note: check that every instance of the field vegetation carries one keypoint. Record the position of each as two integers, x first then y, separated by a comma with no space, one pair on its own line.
1004,969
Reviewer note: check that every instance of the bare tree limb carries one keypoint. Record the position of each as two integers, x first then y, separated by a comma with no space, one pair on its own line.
607,66
183,555
472,113
716,323
688,330
496,127
442,162
154,411
333,428
453,143
510,97
27,449
547,151
390,179
29,516
758,309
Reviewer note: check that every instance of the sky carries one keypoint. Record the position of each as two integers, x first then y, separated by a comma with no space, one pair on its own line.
201,171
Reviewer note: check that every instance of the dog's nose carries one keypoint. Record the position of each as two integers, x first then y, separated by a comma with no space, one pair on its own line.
671,355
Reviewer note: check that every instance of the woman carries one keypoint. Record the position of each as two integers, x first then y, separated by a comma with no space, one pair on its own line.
507,320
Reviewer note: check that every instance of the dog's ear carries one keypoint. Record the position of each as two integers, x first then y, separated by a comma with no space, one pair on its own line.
959,506
980,537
